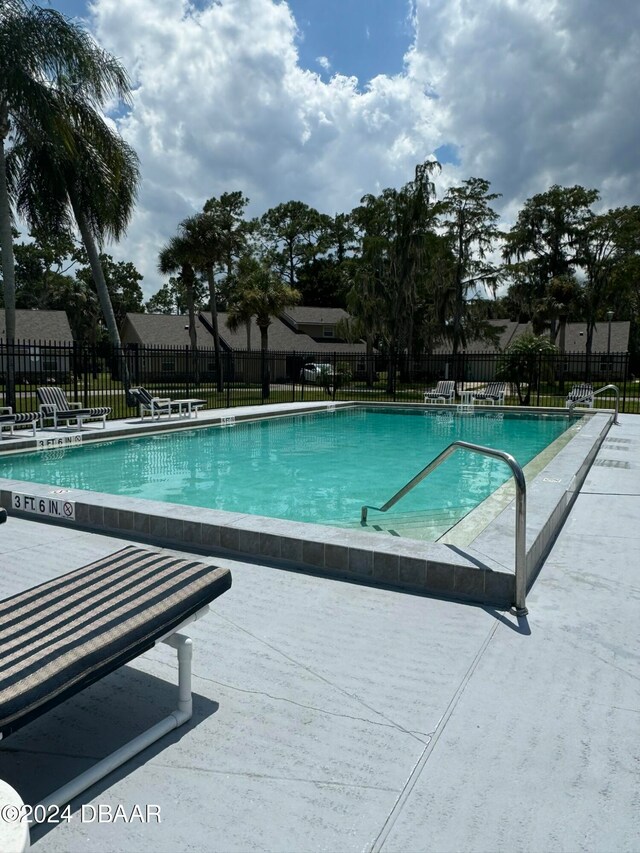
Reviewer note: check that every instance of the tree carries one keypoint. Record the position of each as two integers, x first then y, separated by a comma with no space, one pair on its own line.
522,363
177,257
470,226
606,244
122,280
394,230
262,294
295,234
546,235
96,183
43,58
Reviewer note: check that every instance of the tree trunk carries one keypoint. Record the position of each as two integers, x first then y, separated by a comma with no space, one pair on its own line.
187,279
214,325
102,290
8,263
248,328
264,346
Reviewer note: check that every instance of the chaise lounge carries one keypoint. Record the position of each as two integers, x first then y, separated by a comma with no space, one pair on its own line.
67,633
158,406
55,406
9,419
493,393
580,393
444,392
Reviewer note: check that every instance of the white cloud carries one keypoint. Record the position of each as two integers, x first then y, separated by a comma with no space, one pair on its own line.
531,92
323,62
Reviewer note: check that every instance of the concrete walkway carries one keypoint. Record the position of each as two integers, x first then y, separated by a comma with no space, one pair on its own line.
336,717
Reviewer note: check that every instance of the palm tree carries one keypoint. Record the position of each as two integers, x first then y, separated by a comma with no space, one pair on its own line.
261,294
205,253
96,182
176,257
44,57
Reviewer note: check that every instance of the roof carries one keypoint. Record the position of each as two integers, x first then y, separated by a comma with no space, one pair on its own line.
575,337
172,330
33,324
310,314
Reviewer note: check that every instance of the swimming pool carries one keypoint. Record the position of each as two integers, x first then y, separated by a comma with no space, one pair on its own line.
318,468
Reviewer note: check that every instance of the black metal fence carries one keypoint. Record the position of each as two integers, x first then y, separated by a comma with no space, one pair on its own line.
98,375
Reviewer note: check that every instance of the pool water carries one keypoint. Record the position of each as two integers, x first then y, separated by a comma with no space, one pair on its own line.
319,467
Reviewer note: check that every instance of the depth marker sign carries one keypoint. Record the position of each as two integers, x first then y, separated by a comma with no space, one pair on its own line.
53,507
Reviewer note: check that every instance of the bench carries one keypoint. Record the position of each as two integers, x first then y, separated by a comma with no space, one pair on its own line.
63,635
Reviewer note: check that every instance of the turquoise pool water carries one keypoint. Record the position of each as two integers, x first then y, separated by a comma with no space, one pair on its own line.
318,467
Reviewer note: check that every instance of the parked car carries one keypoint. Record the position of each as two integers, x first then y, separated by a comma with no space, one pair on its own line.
319,374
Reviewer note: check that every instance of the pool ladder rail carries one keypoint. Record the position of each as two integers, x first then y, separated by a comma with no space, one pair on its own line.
520,606
615,388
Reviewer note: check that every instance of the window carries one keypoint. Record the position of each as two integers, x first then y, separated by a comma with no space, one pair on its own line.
327,332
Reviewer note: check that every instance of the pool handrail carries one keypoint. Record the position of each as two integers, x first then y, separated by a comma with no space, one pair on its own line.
615,388
520,607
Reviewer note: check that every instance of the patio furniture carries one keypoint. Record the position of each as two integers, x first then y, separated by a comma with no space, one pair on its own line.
67,633
493,393
444,391
55,406
9,419
158,406
580,393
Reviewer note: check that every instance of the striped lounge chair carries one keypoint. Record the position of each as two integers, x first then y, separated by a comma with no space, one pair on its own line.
444,391
55,406
580,393
67,633
493,393
9,419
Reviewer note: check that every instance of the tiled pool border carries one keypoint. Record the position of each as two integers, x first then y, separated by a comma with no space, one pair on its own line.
480,573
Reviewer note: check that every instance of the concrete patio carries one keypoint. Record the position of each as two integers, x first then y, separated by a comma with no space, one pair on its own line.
331,716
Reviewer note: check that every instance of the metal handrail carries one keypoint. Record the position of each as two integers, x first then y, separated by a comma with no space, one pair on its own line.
615,388
520,607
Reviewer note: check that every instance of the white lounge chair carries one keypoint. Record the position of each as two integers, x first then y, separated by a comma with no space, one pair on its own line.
55,406
445,392
581,393
493,393
9,419
158,406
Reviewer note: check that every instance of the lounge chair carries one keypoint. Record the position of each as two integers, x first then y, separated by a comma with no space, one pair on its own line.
9,419
493,393
580,393
444,391
55,406
67,633
158,406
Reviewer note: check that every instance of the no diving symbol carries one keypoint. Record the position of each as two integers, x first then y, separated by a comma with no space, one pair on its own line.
67,508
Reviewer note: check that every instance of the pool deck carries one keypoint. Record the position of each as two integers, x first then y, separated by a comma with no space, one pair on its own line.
331,716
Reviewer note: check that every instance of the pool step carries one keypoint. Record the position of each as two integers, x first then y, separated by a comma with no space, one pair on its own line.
425,525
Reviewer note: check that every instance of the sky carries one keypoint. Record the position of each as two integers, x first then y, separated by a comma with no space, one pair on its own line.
323,101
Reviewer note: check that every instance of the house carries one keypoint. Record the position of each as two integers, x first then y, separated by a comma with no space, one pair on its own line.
44,345
318,323
159,345
481,357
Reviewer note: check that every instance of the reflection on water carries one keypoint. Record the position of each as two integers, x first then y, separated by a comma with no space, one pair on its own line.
318,467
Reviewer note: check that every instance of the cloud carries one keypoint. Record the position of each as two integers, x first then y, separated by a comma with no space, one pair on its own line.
525,94
323,62
535,92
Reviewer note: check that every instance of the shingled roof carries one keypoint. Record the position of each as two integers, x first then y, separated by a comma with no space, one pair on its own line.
575,337
36,325
172,330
